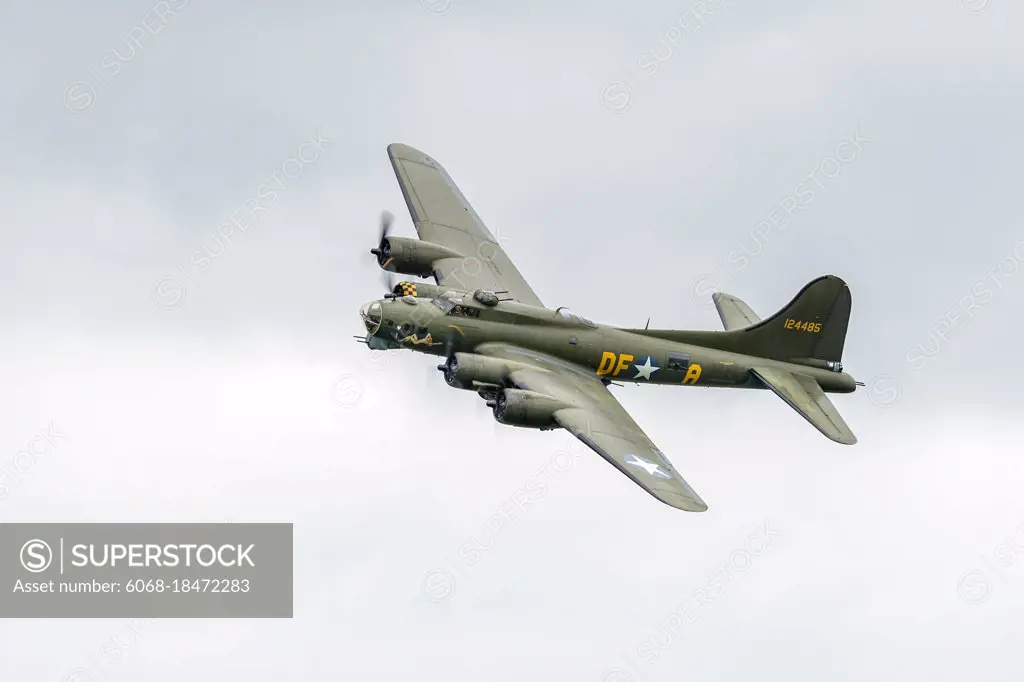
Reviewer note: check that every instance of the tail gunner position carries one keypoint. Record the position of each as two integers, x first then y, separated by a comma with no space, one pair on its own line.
544,369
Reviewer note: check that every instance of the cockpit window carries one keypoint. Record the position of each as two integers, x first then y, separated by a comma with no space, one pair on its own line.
465,311
444,304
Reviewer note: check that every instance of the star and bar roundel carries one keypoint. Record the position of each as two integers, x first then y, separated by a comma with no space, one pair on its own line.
614,364
645,367
652,468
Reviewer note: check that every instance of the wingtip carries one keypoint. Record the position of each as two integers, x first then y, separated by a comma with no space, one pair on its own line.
841,436
688,504
400,150
843,439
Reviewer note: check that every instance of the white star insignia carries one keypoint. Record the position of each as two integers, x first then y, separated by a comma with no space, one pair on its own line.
645,370
650,467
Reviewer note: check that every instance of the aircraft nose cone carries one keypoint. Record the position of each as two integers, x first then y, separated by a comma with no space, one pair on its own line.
372,316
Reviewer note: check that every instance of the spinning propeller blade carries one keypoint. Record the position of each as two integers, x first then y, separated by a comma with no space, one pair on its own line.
382,251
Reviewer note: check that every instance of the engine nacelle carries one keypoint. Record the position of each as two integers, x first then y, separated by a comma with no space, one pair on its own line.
412,256
472,372
527,409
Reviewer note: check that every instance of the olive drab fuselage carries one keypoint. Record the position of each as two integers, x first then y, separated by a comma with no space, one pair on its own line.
458,322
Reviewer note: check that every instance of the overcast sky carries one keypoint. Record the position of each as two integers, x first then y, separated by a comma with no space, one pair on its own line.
633,159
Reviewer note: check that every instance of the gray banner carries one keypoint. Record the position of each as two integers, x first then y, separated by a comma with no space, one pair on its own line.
145,570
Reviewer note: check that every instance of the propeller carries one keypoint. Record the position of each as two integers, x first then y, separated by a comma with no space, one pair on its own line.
449,354
383,249
498,430
449,344
389,282
382,253
450,347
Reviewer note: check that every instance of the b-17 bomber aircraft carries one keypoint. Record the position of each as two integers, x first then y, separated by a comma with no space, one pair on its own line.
543,369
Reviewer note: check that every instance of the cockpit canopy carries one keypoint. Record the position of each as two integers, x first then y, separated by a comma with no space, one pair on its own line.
456,306
443,303
570,316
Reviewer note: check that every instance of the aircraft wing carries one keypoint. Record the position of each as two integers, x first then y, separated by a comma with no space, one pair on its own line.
804,395
595,417
735,313
443,216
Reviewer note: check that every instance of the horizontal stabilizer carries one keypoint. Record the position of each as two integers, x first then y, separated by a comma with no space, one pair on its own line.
735,313
804,395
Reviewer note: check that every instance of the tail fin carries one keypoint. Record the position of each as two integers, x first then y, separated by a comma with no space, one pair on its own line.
811,329
813,325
